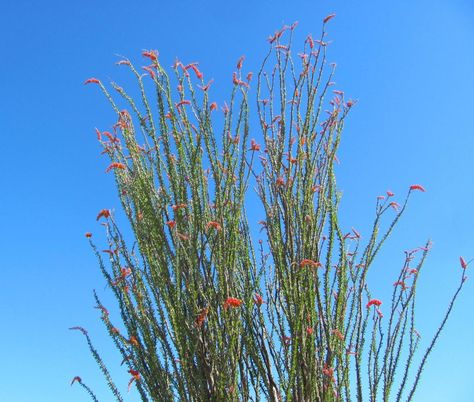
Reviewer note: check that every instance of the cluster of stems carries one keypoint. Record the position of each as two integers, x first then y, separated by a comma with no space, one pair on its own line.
206,314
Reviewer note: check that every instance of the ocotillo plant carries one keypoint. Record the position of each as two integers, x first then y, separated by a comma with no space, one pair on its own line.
208,314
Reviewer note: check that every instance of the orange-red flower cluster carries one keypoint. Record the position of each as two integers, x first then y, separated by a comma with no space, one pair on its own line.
232,302
374,302
417,187
105,213
215,225
115,165
91,81
201,317
307,262
258,299
178,206
254,146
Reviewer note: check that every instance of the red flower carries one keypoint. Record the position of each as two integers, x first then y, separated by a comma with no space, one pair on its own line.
151,54
258,300
133,341
374,302
309,330
254,146
232,302
214,225
135,377
395,205
463,263
88,235
390,194
329,17
178,206
280,181
213,106
115,165
240,62
400,283
307,262
91,81
196,70
103,213
417,187
149,71
171,224
183,102
338,334
207,86
76,378
201,317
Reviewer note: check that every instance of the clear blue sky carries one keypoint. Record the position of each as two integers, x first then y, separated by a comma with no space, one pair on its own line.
408,63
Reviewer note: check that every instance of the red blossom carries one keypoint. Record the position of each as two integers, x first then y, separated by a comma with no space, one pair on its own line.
463,262
338,334
151,54
201,317
215,225
307,262
240,62
103,213
171,224
395,205
196,71
149,71
183,102
178,206
115,165
329,17
280,181
213,106
88,235
254,146
390,194
400,283
232,302
133,341
135,377
207,86
374,302
417,187
309,330
91,81
258,300
76,378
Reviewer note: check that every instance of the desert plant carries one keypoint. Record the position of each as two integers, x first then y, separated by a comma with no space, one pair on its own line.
209,315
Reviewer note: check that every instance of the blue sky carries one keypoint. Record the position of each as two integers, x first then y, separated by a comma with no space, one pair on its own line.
409,65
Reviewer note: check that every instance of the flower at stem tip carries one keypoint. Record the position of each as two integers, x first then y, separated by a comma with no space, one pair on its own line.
374,302
463,263
115,165
258,299
232,302
135,377
76,378
91,81
417,187
215,225
307,262
105,213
